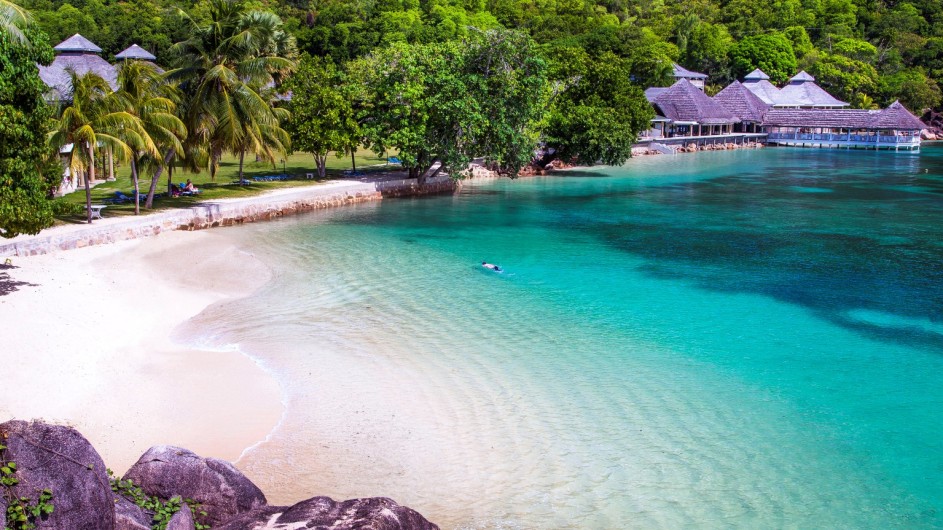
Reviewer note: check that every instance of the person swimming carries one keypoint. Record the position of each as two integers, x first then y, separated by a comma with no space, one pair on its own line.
491,266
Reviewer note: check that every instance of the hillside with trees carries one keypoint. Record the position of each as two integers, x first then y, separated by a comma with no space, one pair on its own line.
437,82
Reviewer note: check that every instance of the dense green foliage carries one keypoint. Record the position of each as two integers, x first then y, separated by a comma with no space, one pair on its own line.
723,38
322,116
24,176
159,510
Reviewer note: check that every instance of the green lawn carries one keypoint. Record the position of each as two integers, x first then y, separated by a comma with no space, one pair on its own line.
297,165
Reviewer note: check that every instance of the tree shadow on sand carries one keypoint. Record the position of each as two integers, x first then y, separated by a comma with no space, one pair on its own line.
8,284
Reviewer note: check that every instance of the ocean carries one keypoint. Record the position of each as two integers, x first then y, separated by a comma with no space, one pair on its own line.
749,339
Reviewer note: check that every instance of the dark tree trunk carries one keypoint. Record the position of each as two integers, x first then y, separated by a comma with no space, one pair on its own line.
170,178
353,161
89,177
321,161
150,191
242,157
137,187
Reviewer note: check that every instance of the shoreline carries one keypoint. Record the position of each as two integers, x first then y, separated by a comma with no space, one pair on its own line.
102,357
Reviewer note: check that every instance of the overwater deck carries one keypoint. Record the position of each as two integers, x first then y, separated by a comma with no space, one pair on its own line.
729,138
845,141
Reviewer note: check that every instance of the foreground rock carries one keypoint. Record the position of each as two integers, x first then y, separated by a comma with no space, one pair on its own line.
60,459
130,516
377,513
221,489
182,520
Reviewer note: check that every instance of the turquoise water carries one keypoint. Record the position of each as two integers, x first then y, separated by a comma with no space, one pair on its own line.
737,339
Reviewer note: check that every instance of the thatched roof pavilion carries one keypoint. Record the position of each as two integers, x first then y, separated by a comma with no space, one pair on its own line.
76,54
135,52
803,92
895,117
685,103
696,78
758,82
742,103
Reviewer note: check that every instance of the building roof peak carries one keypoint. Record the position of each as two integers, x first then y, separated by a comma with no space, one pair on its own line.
136,52
77,43
756,75
802,77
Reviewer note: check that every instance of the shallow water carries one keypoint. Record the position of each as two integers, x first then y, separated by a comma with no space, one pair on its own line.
743,339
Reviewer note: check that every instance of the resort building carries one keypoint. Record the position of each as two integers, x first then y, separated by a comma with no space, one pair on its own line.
696,78
892,128
800,114
76,54
684,110
80,55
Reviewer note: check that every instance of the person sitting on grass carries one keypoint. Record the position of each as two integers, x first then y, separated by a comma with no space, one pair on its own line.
190,187
174,190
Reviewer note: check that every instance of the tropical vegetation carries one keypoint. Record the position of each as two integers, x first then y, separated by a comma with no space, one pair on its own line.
434,82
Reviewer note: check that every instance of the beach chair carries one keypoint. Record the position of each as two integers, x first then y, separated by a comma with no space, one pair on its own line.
393,160
119,198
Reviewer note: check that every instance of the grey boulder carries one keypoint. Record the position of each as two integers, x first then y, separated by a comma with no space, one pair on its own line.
60,459
130,516
375,513
182,520
221,490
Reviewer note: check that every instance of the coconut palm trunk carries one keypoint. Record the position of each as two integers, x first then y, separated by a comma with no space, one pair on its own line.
137,188
242,157
89,177
168,156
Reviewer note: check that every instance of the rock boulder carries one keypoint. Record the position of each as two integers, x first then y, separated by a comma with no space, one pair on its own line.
182,520
222,490
375,513
58,458
130,516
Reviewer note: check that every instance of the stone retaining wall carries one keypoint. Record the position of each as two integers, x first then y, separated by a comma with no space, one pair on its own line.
223,213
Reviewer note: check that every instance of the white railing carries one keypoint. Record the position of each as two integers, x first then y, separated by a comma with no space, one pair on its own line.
848,138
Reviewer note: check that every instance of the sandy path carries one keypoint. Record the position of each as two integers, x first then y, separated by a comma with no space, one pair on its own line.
86,341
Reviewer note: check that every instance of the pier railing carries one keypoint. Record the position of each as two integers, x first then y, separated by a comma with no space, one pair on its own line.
846,138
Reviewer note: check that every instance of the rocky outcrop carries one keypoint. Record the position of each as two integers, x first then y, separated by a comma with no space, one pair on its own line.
377,513
222,490
130,516
182,520
60,459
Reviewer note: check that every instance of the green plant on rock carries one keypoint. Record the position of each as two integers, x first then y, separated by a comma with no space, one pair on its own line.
160,511
22,513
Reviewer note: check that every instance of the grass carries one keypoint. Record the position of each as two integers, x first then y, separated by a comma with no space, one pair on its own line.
297,165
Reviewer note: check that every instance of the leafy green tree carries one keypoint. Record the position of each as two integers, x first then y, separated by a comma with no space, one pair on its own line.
94,117
708,51
842,76
322,117
771,53
913,88
25,176
599,114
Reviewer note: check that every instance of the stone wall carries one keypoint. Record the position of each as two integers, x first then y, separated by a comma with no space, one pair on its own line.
223,213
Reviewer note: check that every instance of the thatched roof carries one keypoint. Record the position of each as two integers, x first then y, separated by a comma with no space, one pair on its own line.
682,72
803,92
762,88
135,52
684,102
742,103
77,44
756,75
76,54
893,117
653,92
896,116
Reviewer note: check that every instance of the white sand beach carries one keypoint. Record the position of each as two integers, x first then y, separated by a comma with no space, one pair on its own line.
86,341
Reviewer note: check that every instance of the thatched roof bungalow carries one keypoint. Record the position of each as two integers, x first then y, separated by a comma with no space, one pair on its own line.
892,128
743,104
758,82
691,112
79,55
135,52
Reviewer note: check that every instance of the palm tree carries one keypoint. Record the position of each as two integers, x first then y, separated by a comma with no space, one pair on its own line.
225,64
12,19
144,93
94,117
